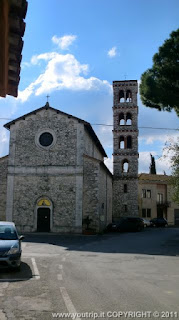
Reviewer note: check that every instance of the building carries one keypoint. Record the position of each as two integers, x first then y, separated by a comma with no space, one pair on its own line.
125,148
12,28
155,198
55,174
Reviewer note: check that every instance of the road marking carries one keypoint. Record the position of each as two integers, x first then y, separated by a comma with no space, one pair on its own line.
70,307
59,276
36,274
2,315
60,266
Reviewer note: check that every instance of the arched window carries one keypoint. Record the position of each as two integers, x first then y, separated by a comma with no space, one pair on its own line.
125,166
129,142
121,96
128,96
121,119
128,119
121,142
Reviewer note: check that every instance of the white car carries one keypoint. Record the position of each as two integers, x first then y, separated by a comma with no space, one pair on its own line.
147,223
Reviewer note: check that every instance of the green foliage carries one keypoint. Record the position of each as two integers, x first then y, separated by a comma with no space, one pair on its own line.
159,86
173,147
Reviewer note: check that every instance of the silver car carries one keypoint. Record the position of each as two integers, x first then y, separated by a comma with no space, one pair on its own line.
10,246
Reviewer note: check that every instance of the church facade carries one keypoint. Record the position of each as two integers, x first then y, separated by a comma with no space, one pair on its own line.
54,176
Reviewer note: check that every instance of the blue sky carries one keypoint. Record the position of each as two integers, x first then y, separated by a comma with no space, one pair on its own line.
73,50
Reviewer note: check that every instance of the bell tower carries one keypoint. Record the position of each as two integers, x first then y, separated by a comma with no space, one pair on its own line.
125,148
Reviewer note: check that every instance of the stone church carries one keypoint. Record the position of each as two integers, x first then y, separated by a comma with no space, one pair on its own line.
55,177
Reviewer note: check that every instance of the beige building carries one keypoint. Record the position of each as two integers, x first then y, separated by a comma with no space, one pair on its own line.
155,198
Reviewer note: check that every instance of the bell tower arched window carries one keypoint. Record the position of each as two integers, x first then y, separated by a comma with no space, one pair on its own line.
121,96
128,96
121,142
129,142
128,119
121,119
125,166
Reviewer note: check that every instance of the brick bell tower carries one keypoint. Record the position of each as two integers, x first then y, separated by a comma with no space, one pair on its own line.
125,148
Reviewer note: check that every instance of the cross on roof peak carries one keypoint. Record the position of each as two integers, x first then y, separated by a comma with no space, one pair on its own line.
47,96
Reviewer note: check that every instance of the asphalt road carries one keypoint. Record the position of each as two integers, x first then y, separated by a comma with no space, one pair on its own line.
126,276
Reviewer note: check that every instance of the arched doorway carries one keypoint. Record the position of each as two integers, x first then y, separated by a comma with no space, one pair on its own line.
44,211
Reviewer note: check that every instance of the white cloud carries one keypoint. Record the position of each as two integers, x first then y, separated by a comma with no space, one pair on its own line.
162,163
64,42
62,72
112,52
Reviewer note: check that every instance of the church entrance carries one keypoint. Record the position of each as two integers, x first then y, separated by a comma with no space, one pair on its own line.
44,215
43,220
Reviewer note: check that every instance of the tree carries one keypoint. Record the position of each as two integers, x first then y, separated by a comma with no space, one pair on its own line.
173,149
159,86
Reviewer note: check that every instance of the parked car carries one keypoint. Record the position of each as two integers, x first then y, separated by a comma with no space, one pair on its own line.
159,222
147,223
10,246
126,224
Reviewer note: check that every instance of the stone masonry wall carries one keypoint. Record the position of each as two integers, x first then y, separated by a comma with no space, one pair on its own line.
24,150
125,203
90,148
3,186
91,191
105,197
120,199
61,190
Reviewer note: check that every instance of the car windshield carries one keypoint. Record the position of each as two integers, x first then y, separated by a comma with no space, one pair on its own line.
8,232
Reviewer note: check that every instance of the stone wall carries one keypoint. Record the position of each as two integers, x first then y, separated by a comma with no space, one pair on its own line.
121,199
90,147
24,149
97,194
105,197
125,130
3,187
59,189
91,191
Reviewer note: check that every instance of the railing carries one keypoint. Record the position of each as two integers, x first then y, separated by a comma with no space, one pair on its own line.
163,204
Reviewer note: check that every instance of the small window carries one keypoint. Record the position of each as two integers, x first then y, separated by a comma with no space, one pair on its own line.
125,208
125,166
148,193
121,119
148,213
128,96
160,198
144,213
128,119
121,142
125,188
143,193
46,139
129,142
121,96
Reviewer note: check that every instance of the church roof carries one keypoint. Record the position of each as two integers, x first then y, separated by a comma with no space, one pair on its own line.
87,125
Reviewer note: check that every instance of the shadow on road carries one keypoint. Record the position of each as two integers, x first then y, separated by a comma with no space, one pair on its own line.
160,241
9,275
